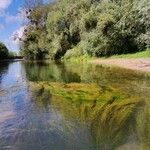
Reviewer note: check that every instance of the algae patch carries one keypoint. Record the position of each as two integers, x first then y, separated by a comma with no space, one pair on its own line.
81,100
75,92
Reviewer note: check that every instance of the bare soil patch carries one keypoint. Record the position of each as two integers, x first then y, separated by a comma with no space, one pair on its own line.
142,64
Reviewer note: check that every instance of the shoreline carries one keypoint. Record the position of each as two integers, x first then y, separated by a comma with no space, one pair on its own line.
137,64
11,60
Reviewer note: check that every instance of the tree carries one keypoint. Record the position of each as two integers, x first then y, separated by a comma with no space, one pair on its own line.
94,27
3,51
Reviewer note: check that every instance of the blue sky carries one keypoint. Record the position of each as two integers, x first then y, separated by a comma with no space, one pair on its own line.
10,22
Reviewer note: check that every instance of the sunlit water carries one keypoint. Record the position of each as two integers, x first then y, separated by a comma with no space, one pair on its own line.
28,122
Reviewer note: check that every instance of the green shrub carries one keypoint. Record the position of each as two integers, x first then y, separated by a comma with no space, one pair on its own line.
75,52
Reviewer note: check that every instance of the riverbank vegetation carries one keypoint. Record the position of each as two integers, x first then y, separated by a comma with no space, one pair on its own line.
142,54
68,28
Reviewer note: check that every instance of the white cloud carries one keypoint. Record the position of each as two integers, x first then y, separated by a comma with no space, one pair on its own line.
1,27
17,35
4,4
19,17
10,45
10,18
13,42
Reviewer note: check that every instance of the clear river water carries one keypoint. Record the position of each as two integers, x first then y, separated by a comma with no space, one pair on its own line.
73,106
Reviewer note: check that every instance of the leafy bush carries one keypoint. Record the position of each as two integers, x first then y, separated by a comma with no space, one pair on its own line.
75,52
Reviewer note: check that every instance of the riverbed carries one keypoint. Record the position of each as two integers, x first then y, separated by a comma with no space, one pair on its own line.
73,106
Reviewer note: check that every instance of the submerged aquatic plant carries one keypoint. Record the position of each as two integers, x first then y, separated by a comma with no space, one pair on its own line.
114,122
110,115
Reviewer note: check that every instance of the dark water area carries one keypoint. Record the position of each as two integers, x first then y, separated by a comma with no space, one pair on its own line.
73,106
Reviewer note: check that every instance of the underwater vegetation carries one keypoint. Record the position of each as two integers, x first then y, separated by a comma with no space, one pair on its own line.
111,116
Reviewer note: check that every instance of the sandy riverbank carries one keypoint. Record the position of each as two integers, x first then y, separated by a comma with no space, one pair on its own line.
141,64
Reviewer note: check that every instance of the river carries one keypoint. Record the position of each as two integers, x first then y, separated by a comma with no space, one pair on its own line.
73,106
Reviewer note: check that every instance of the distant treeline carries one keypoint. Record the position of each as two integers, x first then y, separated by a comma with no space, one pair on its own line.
72,28
6,54
3,51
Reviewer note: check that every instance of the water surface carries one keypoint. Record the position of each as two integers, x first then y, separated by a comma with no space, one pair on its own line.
68,106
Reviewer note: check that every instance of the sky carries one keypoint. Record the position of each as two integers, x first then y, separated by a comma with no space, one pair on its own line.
11,22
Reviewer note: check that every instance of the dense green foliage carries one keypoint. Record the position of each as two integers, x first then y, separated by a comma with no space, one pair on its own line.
3,51
87,27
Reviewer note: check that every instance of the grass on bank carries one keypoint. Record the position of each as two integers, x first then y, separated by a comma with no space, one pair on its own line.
83,58
143,54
